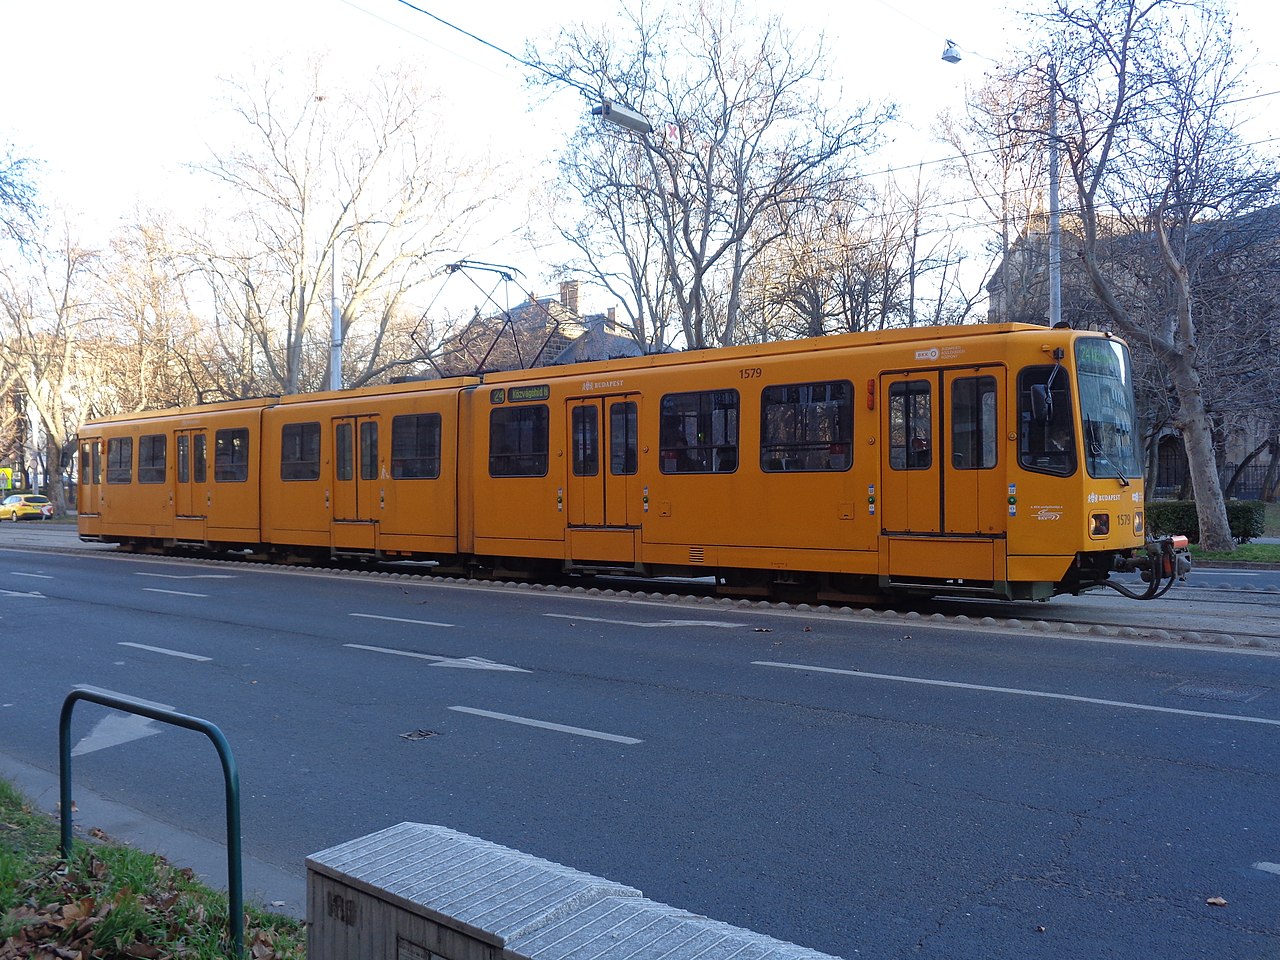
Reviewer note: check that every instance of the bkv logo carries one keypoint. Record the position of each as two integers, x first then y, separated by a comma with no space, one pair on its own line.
930,354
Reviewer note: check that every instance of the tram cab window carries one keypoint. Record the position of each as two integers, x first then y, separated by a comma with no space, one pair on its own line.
518,439
120,460
1046,431
699,432
910,425
806,427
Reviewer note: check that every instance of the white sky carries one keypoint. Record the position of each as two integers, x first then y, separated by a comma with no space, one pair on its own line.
115,98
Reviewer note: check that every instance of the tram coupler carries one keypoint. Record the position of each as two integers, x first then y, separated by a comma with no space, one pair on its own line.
1163,559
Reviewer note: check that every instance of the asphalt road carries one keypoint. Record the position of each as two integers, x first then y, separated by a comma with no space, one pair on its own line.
861,788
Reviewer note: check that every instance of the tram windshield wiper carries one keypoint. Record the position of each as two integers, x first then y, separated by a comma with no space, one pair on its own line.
1091,433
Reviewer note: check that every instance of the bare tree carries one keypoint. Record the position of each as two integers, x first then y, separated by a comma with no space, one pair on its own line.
1146,87
43,311
353,191
744,144
18,207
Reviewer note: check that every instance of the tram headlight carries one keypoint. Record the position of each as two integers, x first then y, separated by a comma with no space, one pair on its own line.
1137,521
1099,524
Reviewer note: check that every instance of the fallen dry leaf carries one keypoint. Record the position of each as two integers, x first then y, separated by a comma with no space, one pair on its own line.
1216,902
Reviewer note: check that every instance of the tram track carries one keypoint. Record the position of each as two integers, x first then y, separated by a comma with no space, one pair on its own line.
1237,617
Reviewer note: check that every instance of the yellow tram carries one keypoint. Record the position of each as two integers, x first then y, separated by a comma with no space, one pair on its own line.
997,460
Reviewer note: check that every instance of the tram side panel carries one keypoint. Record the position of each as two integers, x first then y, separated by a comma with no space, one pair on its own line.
754,464
188,476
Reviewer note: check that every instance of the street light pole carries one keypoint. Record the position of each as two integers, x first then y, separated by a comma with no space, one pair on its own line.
335,342
1055,232
951,54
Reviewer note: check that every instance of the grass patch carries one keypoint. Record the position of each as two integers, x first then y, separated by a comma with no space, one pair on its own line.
1244,553
111,902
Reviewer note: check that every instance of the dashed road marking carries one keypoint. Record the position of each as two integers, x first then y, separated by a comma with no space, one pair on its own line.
545,725
165,651
173,593
1015,691
421,623
465,663
648,623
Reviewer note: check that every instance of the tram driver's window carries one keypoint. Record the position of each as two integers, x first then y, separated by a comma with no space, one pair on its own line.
910,425
1046,431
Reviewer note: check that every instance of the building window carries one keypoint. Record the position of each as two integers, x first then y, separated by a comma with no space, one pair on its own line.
807,426
231,455
518,442
300,451
120,460
415,447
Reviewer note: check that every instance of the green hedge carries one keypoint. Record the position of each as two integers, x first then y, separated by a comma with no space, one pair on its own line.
1247,519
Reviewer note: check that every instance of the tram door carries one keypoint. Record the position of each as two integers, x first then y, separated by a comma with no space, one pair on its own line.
911,498
191,484
357,494
89,487
943,491
601,499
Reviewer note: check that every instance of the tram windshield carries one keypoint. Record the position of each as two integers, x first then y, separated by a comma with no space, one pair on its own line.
1107,415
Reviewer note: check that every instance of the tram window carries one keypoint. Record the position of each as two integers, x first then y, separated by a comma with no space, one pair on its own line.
151,458
973,423
368,450
91,462
623,445
586,441
1046,432
184,458
344,457
200,459
910,425
518,441
699,432
120,460
300,451
806,426
231,455
415,446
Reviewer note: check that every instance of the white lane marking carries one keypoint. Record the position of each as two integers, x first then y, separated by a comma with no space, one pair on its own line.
34,576
173,593
166,652
545,725
1267,867
117,728
465,663
647,623
20,593
187,576
1018,692
422,623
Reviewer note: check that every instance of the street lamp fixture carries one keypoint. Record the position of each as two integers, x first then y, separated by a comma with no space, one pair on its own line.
951,53
621,116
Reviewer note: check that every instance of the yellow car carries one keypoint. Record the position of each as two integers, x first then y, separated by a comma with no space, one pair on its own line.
25,506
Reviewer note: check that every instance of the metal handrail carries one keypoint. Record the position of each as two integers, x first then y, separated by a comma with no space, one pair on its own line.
145,708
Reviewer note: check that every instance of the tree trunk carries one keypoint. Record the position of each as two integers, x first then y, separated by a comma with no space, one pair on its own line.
1197,437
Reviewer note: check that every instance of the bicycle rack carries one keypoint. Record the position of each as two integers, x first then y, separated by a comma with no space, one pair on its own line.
144,708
